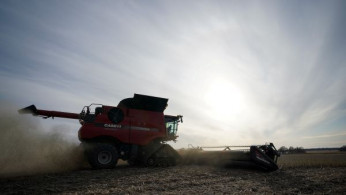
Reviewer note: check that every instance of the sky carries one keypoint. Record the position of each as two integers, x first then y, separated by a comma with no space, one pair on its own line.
240,72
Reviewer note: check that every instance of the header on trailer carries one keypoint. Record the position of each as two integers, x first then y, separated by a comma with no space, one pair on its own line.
261,156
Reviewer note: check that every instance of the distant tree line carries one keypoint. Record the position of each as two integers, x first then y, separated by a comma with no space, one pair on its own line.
296,150
343,148
291,150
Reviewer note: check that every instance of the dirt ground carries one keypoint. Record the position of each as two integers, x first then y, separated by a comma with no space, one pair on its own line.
182,179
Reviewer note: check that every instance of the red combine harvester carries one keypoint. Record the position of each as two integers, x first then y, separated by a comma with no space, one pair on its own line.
136,131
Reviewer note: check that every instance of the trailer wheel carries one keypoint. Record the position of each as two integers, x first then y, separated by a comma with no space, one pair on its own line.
102,156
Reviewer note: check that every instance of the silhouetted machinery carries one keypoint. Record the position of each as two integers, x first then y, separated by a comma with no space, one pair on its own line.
136,131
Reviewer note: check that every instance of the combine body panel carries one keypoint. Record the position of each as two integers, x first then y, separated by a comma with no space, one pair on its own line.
130,126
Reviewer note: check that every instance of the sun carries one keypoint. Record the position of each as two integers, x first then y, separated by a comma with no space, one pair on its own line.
224,99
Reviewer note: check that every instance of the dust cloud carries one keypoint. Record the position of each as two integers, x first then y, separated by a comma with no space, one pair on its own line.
27,149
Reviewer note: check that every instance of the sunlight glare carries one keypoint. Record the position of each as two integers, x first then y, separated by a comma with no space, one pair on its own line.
224,100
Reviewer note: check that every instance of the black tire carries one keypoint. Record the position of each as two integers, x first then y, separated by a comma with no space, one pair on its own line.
151,162
102,156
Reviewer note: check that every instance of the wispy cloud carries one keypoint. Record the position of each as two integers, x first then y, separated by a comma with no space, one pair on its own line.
326,135
240,72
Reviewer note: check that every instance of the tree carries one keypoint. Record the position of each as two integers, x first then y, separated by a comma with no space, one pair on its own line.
291,149
299,150
343,148
283,149
294,150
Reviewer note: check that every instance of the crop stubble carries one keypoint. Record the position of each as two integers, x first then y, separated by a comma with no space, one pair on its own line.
315,159
182,179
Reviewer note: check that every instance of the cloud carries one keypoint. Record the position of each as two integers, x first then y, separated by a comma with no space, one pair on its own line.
279,64
326,135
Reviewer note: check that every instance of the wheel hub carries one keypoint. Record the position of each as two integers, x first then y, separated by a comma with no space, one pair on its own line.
104,157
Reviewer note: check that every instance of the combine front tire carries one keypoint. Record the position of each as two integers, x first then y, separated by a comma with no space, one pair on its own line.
102,156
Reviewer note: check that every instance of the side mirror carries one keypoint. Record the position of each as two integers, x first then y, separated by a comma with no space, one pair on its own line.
181,118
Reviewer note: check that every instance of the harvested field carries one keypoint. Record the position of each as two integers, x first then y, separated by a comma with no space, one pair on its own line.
315,159
183,179
319,173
